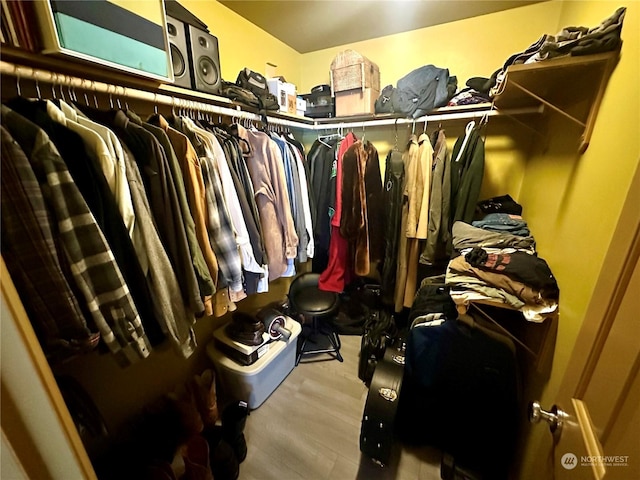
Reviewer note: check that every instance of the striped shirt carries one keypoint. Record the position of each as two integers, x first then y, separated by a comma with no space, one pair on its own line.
92,264
30,251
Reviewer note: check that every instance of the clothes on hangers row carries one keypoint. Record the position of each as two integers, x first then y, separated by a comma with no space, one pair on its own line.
426,191
151,222
348,197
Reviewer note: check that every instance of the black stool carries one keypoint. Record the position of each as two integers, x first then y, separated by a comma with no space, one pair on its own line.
317,306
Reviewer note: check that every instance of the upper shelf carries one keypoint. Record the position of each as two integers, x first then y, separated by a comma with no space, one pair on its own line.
570,86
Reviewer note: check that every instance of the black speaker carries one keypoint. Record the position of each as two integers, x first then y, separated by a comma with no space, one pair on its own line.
179,52
205,61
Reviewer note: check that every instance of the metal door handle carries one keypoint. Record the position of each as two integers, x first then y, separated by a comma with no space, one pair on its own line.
554,417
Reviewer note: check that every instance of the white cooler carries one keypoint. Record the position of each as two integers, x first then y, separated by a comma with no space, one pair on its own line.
254,383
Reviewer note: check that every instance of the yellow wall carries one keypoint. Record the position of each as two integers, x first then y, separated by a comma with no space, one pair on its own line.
573,202
469,48
564,195
242,44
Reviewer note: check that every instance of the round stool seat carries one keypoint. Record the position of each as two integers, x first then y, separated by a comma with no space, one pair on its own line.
312,301
318,308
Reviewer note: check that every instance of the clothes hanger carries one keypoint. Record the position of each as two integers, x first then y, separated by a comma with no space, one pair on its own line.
395,144
18,89
95,97
53,87
320,139
37,85
468,129
124,98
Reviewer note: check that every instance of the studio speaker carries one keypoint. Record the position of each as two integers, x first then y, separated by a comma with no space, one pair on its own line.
205,61
179,52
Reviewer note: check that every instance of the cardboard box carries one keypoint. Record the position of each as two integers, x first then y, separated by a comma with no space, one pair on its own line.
356,102
254,383
285,93
351,70
301,106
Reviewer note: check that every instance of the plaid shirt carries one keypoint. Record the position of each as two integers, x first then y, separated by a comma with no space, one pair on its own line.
92,264
31,255
221,236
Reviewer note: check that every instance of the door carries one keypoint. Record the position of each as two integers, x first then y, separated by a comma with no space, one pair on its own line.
600,395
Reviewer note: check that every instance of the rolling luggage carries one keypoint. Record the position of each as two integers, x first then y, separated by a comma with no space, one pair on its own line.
383,399
458,374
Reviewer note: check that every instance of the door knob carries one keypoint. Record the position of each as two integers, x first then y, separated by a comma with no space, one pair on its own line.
554,417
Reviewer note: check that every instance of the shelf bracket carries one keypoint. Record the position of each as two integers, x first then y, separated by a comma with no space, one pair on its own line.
505,331
548,104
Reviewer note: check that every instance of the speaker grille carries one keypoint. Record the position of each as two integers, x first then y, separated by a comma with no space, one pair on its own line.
207,71
177,61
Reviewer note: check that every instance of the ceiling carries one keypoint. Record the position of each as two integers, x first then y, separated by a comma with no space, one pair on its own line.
310,25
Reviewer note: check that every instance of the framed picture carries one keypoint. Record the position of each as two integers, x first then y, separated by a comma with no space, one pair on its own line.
127,35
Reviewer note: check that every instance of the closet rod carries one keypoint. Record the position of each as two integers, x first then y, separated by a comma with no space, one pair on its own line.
429,118
45,76
39,75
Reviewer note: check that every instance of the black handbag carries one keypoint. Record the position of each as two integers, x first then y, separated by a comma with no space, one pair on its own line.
257,84
379,328
238,94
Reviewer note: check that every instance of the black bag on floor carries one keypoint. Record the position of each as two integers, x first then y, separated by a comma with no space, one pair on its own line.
379,328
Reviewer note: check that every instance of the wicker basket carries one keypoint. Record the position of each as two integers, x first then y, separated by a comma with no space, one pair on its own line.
350,70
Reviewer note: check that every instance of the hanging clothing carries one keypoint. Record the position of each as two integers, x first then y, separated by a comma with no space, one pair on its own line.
161,191
194,187
393,200
221,232
203,276
467,171
418,184
254,281
411,159
92,185
30,249
362,203
424,192
265,165
338,273
321,161
306,201
232,200
175,318
222,302
438,237
295,195
110,160
100,281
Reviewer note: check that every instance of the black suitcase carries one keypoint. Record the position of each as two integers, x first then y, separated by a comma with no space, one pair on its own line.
378,419
461,395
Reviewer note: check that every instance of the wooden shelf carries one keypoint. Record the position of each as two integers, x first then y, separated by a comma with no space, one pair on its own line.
570,86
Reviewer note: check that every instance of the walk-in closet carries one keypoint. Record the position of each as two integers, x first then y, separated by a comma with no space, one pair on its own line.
320,240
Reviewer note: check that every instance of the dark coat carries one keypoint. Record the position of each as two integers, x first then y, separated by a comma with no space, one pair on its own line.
361,222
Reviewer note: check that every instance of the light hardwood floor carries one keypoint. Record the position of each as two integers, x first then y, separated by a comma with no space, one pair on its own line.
309,428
